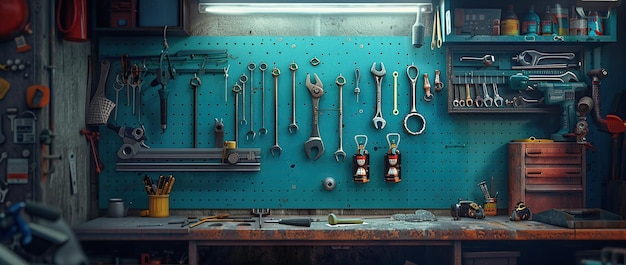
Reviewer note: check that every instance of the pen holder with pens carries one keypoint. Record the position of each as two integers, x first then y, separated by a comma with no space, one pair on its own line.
158,195
159,205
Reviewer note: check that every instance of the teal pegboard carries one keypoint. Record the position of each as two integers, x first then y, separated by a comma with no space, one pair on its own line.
443,164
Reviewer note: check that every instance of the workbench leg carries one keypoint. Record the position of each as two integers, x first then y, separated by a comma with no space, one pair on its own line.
193,253
458,253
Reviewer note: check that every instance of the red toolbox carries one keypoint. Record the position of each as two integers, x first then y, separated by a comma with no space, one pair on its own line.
123,13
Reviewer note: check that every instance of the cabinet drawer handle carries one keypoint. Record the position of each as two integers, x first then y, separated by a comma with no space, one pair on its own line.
534,172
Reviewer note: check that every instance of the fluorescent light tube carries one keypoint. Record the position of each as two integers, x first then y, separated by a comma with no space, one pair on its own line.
313,8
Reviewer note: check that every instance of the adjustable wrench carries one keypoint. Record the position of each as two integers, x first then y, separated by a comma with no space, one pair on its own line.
293,127
536,56
340,81
487,60
263,67
315,140
276,149
379,121
251,133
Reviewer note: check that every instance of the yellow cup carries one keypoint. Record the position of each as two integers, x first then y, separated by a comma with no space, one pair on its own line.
491,207
159,205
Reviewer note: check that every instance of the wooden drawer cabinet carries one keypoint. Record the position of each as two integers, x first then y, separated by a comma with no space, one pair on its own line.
546,175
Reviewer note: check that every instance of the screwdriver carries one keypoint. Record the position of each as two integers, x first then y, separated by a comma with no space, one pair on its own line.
305,222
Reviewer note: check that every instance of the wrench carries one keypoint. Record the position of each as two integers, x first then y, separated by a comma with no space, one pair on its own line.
293,127
456,102
536,56
315,140
251,133
195,82
487,60
395,92
263,67
236,89
461,100
413,113
566,77
488,100
497,99
276,149
226,83
243,79
468,97
379,121
340,81
427,96
117,86
357,90
438,83
479,99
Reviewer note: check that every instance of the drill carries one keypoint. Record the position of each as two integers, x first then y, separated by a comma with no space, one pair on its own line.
563,94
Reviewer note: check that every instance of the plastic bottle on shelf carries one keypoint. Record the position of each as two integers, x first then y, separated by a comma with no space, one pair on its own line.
546,26
595,24
509,23
577,24
531,22
562,20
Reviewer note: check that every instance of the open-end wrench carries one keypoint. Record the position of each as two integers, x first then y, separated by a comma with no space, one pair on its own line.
340,81
263,67
275,149
293,127
497,99
379,121
236,89
413,73
468,97
226,83
427,95
536,56
479,99
315,140
461,100
251,133
455,101
243,79
395,93
488,100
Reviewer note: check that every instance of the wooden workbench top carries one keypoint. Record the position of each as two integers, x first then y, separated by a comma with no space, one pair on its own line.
374,229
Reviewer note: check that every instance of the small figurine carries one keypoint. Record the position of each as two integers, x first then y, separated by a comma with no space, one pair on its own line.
521,212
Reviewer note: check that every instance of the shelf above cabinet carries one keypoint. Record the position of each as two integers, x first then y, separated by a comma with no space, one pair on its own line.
530,39
134,18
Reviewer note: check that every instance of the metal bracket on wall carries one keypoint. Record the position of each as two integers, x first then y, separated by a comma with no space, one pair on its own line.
192,160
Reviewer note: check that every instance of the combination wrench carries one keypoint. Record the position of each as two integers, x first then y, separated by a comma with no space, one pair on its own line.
251,133
413,78
243,79
263,67
395,92
357,90
468,97
497,99
275,149
315,140
340,81
456,102
379,121
427,96
488,100
236,89
293,127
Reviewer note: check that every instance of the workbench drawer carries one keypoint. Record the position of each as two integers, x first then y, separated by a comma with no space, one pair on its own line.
553,156
554,175
491,258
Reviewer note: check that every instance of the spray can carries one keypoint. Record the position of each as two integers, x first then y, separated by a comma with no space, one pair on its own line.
546,26
531,22
561,19
510,23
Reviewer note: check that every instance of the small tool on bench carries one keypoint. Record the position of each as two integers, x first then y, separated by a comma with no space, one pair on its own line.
206,219
334,220
305,222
